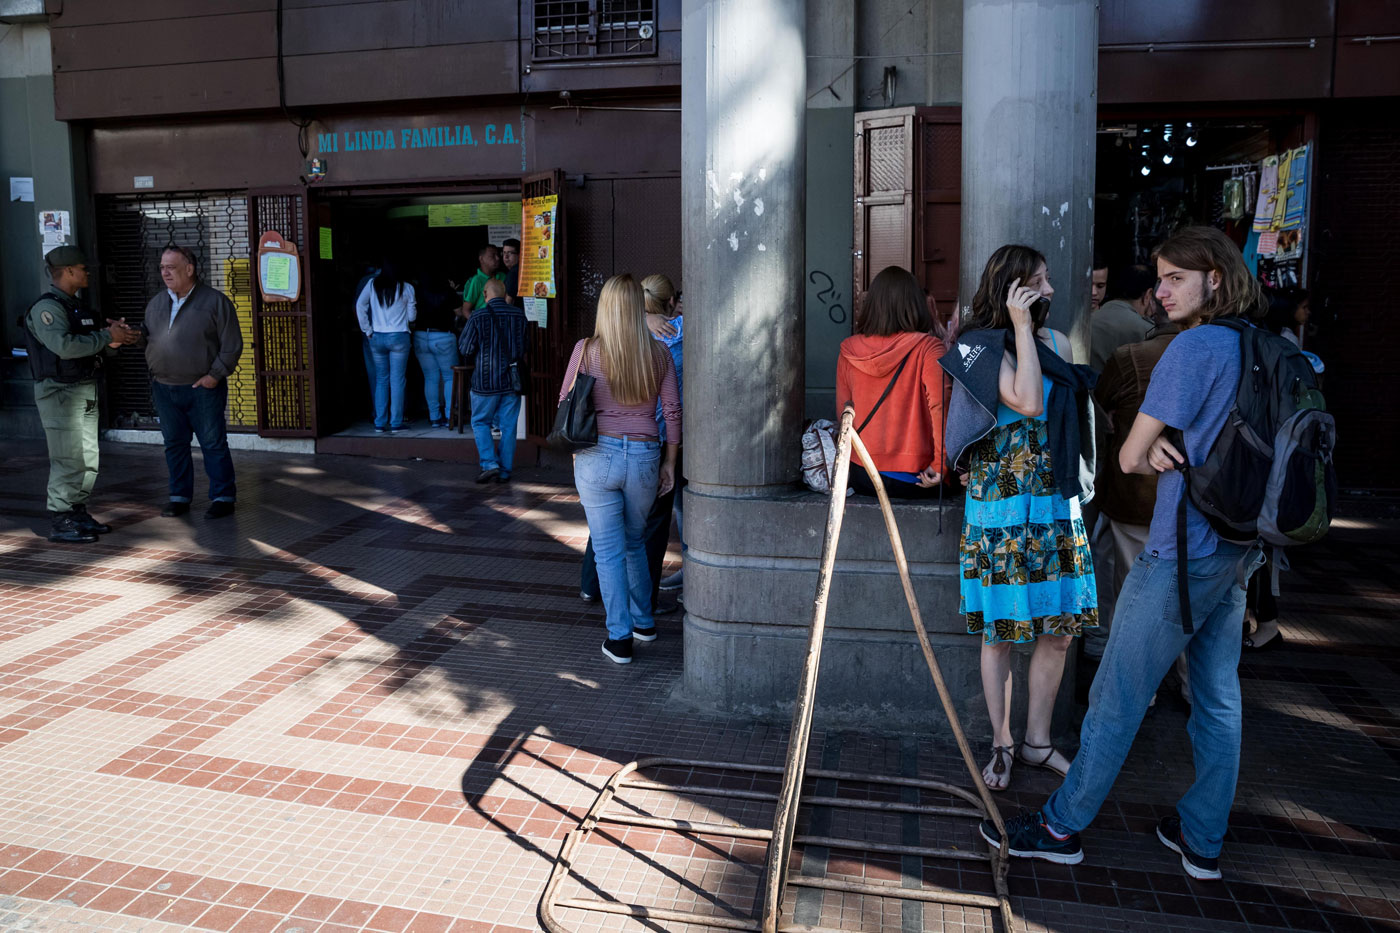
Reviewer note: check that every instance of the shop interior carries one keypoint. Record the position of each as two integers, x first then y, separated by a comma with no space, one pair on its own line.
367,231
1159,173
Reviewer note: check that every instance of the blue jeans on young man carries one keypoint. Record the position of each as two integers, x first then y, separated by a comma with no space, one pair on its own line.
1145,640
498,411
185,412
437,354
390,377
616,481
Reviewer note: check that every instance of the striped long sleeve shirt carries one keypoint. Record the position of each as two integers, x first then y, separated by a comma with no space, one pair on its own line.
495,335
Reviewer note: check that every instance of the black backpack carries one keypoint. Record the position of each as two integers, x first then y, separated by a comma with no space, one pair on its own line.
1269,476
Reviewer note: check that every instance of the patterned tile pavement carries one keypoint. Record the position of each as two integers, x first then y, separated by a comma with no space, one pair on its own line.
373,701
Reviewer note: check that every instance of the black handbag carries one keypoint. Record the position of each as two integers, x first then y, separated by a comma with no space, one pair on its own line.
576,421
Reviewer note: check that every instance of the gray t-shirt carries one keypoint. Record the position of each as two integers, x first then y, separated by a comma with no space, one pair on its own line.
1193,388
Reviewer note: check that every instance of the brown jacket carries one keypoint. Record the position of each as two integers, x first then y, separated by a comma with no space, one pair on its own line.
1121,389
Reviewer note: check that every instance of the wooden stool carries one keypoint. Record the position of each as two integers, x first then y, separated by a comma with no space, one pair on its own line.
461,395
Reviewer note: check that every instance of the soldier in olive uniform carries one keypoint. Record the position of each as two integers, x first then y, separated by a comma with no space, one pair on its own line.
65,344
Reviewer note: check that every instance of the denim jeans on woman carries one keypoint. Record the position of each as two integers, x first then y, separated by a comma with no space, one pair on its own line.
1145,640
616,481
390,377
437,354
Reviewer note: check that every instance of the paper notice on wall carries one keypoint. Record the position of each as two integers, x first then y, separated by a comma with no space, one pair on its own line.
537,310
21,189
55,229
497,234
325,243
277,272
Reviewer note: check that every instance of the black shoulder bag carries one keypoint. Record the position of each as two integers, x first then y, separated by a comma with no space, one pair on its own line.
576,421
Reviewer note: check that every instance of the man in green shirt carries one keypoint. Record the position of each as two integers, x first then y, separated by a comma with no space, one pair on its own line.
489,264
65,344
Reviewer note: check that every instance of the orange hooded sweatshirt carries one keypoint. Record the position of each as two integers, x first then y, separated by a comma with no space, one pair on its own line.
906,434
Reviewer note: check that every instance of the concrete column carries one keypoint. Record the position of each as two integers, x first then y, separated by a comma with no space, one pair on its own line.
831,103
1030,76
743,83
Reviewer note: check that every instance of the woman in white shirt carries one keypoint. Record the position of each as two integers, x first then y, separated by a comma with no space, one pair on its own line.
385,309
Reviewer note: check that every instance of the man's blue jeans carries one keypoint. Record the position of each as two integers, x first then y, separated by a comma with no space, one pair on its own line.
1145,639
499,411
390,377
616,481
187,412
437,354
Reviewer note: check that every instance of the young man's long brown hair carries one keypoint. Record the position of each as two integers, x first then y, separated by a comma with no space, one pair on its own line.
1202,249
1007,264
894,304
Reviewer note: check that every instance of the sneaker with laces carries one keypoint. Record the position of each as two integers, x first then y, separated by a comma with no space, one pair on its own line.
1028,837
618,650
1197,866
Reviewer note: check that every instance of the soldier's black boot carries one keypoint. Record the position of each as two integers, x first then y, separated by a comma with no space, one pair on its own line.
67,530
87,522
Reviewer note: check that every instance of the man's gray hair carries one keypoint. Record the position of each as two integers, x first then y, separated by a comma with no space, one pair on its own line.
185,252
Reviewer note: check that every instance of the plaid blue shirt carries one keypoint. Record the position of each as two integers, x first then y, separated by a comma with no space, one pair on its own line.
674,344
495,335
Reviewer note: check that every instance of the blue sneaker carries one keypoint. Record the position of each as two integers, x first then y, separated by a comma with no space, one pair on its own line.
1197,866
1028,837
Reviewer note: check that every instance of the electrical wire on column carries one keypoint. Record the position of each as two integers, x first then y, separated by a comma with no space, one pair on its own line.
303,142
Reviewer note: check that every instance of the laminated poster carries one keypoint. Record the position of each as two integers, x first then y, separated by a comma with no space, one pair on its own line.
55,229
537,246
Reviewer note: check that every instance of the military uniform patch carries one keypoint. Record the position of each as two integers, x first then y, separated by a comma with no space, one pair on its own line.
46,317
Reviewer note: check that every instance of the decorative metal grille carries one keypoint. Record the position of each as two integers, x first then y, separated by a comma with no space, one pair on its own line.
284,334
132,230
887,159
574,29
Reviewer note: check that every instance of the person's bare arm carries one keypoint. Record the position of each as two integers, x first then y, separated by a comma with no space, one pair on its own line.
1147,450
1019,386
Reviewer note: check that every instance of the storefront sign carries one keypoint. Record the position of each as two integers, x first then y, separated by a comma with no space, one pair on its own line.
414,137
537,246
474,215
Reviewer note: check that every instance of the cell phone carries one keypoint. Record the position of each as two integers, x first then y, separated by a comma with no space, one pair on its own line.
1040,312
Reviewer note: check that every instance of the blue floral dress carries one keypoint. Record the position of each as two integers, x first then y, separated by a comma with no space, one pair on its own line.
1026,564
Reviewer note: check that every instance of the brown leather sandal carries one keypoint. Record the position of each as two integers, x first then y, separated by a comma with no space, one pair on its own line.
1003,756
1044,762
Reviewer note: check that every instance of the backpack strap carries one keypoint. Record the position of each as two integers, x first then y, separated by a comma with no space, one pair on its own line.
1183,579
885,393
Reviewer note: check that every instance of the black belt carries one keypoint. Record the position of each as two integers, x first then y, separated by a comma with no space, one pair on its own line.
434,330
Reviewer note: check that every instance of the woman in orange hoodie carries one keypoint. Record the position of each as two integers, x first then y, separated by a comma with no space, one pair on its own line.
893,355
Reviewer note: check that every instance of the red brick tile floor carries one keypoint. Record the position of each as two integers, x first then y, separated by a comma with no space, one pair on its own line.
372,700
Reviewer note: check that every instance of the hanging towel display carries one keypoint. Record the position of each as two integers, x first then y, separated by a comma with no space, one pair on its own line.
1268,194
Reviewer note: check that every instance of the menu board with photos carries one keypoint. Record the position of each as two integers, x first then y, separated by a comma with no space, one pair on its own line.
537,221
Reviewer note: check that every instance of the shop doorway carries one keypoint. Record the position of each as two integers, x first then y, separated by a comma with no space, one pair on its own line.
400,228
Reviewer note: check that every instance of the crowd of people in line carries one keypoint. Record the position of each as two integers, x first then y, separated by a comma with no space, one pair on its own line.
431,318
994,402
1043,559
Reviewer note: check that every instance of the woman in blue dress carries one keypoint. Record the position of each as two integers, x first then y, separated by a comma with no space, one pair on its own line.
1027,575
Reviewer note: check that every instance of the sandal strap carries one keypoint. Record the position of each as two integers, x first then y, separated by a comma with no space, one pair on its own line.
1050,752
1000,754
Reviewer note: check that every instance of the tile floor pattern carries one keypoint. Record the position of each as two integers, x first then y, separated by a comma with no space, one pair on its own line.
373,701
